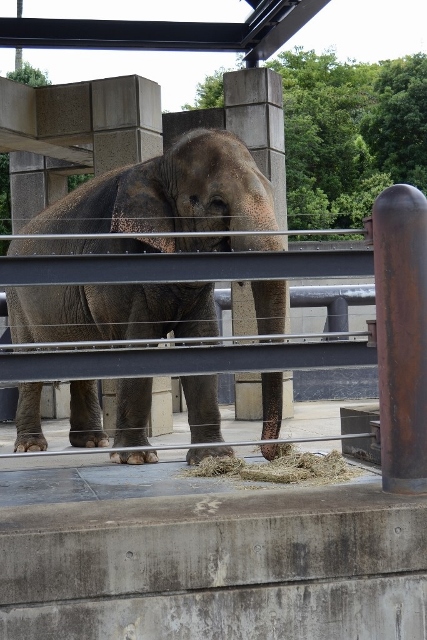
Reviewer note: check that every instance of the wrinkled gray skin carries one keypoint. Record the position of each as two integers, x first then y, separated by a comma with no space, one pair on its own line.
206,181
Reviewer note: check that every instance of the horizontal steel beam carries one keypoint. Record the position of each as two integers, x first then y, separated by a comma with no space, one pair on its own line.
121,34
185,267
133,363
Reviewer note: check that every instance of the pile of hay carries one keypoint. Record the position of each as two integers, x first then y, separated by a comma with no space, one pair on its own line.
291,467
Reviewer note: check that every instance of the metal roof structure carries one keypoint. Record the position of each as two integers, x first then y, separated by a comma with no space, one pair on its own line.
270,25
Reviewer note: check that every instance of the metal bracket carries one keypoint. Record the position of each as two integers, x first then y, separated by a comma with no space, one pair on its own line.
369,231
372,330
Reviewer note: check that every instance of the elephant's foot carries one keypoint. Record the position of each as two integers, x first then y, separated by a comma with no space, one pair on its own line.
89,439
24,444
134,457
195,456
269,451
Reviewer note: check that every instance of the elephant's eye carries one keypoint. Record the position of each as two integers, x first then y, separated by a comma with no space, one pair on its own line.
218,204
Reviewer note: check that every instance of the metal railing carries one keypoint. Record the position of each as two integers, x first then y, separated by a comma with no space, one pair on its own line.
400,285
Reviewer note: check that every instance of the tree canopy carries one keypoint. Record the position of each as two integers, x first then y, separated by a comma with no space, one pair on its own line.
351,130
396,127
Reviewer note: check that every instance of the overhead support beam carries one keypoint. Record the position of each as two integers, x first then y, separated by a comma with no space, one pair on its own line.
271,24
121,34
285,29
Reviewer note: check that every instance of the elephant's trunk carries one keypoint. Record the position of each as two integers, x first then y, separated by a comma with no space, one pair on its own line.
270,305
270,308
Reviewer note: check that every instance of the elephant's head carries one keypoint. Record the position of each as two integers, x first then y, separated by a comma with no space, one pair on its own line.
208,181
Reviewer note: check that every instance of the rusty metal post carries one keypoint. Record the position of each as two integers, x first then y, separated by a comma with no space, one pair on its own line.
400,256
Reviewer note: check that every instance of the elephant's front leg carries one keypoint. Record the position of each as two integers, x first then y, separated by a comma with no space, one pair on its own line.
133,413
28,422
201,394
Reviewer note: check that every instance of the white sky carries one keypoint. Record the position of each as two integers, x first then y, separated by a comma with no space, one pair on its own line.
365,30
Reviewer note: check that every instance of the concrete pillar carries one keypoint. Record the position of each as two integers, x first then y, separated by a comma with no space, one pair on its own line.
33,187
126,121
127,128
254,111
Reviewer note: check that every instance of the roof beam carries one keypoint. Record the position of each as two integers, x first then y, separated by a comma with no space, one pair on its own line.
121,34
277,35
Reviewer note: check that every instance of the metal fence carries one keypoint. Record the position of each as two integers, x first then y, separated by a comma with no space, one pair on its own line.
400,224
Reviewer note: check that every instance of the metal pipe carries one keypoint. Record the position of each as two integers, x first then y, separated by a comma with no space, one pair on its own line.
399,219
315,295
181,234
144,342
175,447
337,319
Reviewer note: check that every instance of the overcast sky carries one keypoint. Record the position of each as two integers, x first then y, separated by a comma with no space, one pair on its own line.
364,30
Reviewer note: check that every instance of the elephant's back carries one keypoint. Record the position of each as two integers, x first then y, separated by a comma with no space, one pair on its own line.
88,209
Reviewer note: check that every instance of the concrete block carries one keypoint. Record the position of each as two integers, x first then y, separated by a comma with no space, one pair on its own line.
28,195
109,414
356,419
115,149
249,123
55,401
114,103
276,128
57,187
252,86
249,399
25,161
64,110
150,145
124,146
162,383
17,108
278,180
109,387
178,399
259,126
161,414
176,124
149,108
128,101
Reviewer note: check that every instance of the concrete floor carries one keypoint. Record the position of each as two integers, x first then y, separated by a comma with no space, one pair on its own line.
82,477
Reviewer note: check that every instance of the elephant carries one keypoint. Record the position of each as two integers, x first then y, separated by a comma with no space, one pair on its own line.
206,181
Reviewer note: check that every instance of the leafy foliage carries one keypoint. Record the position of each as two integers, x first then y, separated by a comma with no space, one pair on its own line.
78,179
29,75
396,127
210,93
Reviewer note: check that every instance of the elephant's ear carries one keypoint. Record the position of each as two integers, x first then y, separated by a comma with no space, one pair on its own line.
141,206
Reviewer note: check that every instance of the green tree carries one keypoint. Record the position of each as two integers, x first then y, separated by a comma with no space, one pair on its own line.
396,127
349,209
209,93
29,75
34,78
324,102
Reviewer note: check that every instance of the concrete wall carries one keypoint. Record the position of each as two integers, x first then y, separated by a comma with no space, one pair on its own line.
314,563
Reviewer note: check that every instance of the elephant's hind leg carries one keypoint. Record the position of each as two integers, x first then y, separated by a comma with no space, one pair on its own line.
85,415
133,413
28,422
